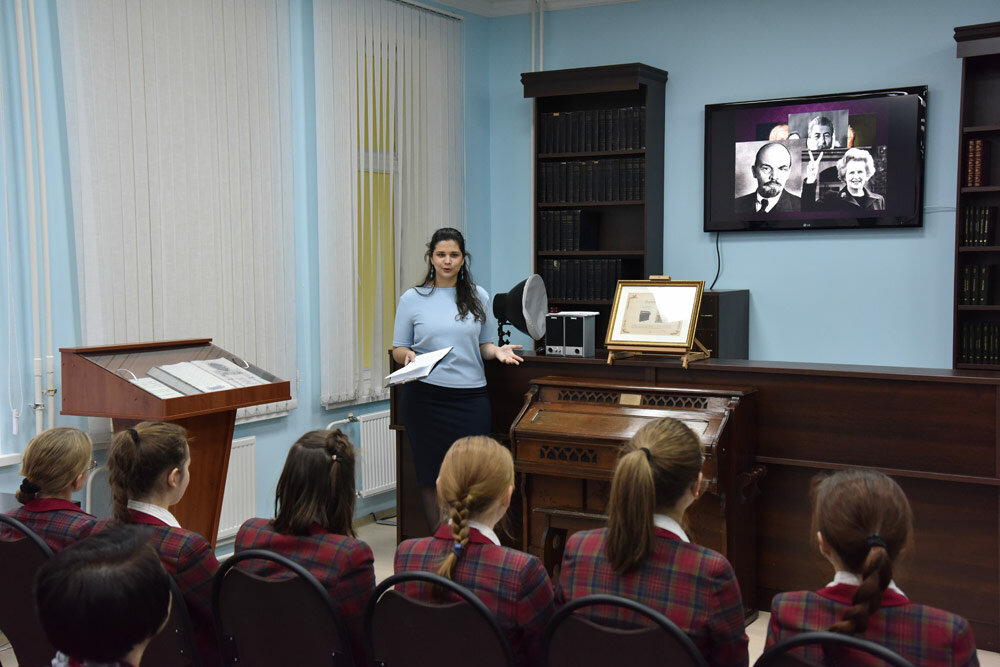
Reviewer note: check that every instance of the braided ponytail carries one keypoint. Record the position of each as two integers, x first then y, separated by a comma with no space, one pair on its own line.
137,460
476,473
864,516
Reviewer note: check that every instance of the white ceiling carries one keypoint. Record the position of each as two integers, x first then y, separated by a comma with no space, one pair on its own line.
493,8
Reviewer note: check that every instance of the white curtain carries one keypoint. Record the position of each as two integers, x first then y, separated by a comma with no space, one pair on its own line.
179,132
389,81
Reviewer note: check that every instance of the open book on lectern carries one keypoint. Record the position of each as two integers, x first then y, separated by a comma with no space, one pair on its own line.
420,367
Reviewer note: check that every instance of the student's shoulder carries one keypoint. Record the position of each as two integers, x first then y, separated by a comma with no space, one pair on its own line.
708,561
586,541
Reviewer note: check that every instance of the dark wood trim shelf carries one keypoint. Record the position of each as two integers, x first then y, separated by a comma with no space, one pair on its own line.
980,188
587,204
979,248
590,253
978,129
592,154
987,307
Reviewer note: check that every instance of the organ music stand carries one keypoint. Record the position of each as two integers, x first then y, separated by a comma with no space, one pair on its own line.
93,387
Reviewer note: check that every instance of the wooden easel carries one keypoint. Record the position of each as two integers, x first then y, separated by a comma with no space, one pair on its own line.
686,355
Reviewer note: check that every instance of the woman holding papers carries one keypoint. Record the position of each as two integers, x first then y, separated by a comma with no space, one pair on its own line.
447,309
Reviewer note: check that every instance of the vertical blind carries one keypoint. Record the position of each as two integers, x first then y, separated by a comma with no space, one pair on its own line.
179,131
390,170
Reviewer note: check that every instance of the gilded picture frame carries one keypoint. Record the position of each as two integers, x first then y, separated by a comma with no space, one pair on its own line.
655,314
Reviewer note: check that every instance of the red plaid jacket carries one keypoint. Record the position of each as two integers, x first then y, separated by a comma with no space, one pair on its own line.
693,586
925,636
59,522
512,584
189,558
344,565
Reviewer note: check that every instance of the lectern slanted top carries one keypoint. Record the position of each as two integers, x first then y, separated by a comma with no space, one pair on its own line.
96,383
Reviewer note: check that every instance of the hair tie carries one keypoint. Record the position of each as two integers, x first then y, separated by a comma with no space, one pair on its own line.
458,549
135,435
876,541
644,450
333,460
29,487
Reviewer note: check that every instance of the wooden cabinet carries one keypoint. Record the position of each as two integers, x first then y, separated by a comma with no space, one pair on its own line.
724,323
598,190
977,254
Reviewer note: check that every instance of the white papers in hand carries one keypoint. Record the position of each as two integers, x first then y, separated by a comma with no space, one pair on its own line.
420,367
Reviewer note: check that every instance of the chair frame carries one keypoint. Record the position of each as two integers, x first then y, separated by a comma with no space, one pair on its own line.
596,599
429,577
47,552
187,641
773,654
346,656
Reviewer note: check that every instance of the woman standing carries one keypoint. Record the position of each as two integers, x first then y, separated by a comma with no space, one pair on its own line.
446,309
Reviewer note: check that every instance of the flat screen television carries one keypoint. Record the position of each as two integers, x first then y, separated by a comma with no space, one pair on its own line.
846,161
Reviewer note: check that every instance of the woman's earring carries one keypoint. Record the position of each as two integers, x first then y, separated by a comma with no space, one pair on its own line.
432,273
461,274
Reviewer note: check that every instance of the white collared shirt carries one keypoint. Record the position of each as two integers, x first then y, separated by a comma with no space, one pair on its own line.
842,577
765,204
667,523
485,530
154,511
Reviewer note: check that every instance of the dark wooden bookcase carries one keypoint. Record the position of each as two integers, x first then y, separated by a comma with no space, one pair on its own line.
598,193
977,243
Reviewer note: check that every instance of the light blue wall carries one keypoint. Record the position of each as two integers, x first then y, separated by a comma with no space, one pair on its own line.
857,297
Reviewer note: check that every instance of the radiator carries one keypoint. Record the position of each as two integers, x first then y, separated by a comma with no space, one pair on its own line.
378,454
239,501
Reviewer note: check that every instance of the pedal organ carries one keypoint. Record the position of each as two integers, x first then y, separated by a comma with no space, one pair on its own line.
566,440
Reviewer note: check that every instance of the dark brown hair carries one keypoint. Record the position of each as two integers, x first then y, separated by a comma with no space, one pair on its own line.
138,459
645,483
52,460
475,474
852,508
466,296
316,485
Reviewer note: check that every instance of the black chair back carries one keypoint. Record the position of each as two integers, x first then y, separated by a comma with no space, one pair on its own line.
22,552
175,646
403,631
270,621
574,641
837,650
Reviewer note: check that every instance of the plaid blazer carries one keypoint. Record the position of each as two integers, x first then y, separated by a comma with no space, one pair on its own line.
923,635
59,522
691,585
189,558
343,565
511,583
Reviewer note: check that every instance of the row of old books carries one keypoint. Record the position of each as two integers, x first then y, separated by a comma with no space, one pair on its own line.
196,377
977,285
977,162
593,130
978,225
581,279
979,343
571,229
592,181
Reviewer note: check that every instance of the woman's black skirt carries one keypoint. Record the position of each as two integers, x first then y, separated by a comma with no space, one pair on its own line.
435,417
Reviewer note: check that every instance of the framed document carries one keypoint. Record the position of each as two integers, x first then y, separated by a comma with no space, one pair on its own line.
656,315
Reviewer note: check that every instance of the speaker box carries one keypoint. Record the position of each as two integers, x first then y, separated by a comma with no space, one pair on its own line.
554,335
570,334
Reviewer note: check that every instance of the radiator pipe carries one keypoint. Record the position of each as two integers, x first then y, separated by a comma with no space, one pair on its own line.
350,419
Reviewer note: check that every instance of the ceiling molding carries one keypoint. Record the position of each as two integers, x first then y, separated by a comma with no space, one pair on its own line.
496,8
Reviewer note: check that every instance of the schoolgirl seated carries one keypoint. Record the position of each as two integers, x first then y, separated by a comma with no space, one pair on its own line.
102,599
313,510
646,555
474,488
862,522
148,471
55,465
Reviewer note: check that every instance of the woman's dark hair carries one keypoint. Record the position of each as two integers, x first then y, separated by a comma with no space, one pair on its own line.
466,297
865,517
99,597
659,463
316,485
138,458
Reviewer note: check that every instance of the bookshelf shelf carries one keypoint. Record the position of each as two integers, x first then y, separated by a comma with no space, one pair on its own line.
976,331
599,140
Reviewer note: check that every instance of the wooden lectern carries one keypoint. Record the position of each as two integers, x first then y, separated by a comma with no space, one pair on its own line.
96,384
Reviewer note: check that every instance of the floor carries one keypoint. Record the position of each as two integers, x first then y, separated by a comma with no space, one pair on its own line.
382,540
